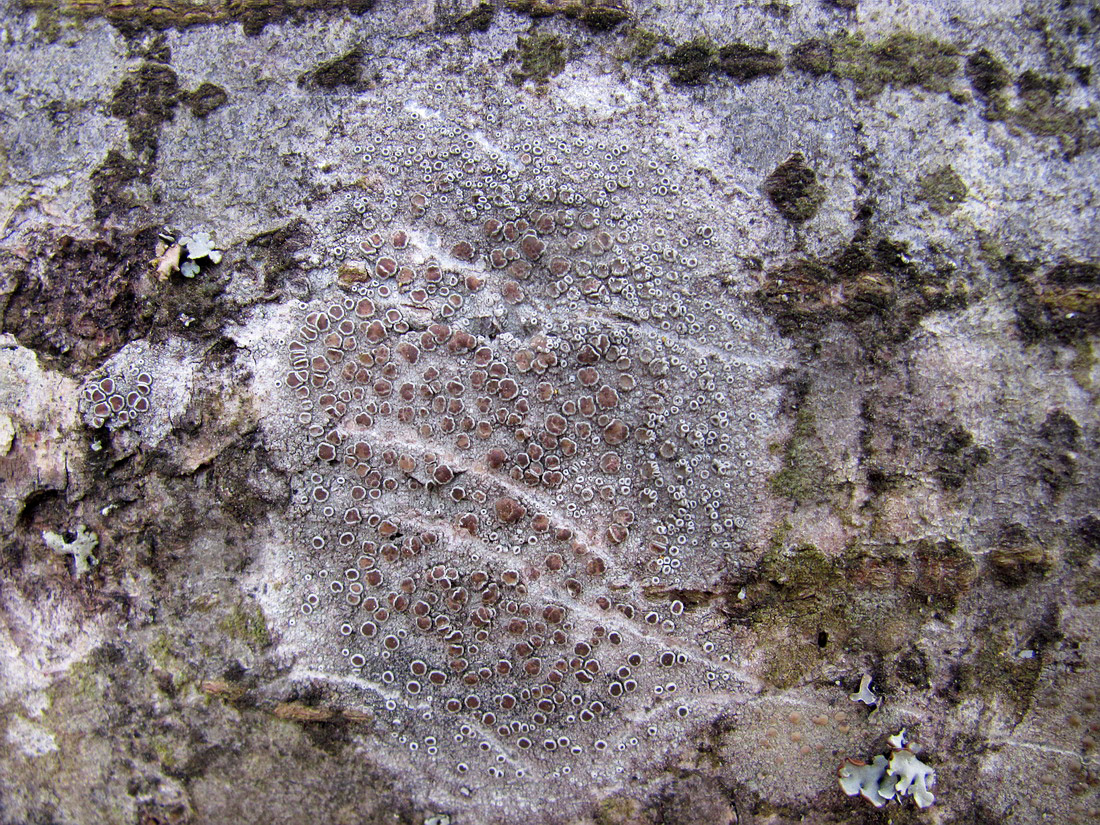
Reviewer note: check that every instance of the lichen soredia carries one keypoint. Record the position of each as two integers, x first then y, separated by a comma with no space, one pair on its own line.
531,425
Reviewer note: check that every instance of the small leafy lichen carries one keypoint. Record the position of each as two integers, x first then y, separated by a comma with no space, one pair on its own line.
803,475
340,71
81,547
986,74
640,44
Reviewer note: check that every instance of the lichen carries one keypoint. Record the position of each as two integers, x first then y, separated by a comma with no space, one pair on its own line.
207,98
958,457
874,286
1035,109
1017,558
480,18
640,44
814,56
617,810
1062,301
987,75
80,547
253,15
337,72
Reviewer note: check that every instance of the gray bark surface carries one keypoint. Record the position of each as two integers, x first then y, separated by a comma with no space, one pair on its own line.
559,411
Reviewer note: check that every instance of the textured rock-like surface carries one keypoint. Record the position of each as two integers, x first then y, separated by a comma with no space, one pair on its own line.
573,403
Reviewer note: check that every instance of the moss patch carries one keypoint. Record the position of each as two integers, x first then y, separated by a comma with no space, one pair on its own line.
903,59
541,56
943,190
793,189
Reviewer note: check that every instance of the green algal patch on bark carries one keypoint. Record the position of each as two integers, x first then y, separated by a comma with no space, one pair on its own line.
253,15
541,56
598,15
743,62
692,62
207,98
903,59
340,71
793,189
943,190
